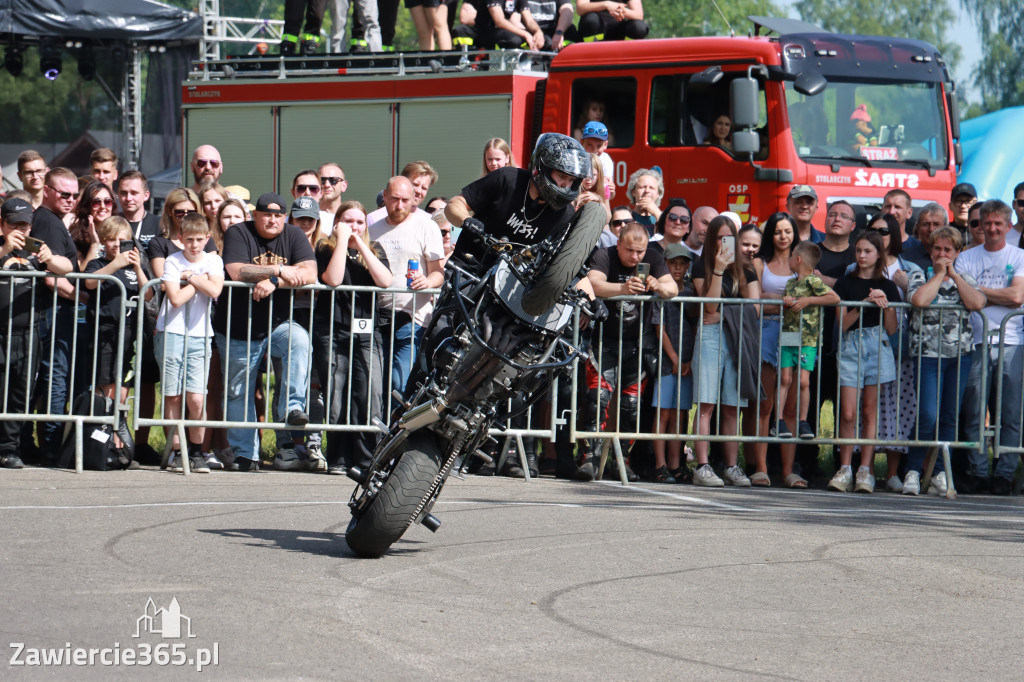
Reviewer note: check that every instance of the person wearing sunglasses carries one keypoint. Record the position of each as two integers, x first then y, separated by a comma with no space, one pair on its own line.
306,183
673,225
95,206
60,192
206,166
963,196
179,203
332,185
975,233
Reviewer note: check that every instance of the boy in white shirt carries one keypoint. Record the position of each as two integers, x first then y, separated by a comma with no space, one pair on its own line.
192,279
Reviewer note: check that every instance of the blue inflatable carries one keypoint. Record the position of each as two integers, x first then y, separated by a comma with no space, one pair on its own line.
993,147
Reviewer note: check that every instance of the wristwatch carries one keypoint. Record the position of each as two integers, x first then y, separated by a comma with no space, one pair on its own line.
274,280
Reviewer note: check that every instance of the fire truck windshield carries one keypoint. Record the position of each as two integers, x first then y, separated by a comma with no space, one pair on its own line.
870,124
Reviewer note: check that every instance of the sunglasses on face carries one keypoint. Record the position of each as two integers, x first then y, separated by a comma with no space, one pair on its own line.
97,202
974,223
620,222
203,163
312,189
330,180
682,219
180,213
884,231
65,195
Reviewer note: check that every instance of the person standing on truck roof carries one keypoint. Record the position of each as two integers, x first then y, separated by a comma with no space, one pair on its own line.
494,27
645,189
555,20
961,199
610,20
802,203
206,165
292,40
332,185
365,12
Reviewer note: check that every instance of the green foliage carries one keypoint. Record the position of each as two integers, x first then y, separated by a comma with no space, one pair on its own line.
682,18
886,18
1000,74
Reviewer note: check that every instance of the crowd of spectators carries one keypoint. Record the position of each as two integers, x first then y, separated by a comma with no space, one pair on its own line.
232,311
547,25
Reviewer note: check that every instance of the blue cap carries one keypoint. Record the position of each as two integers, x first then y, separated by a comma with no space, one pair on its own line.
595,129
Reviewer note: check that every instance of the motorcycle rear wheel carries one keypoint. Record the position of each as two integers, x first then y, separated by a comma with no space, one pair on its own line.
583,232
396,505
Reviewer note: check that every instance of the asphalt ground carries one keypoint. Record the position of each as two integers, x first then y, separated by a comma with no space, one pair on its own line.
524,581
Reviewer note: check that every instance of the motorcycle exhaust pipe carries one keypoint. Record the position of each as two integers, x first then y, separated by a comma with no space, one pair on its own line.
424,414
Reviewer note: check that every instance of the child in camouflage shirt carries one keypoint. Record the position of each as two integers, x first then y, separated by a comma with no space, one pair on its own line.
801,323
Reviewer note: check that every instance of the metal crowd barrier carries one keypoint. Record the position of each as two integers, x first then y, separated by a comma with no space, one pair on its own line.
548,417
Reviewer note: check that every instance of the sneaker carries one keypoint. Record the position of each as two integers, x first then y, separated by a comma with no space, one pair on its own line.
894,484
227,457
287,459
197,465
706,476
338,469
842,481
145,454
211,461
734,476
662,475
243,465
297,418
805,431
11,462
938,486
911,483
174,463
315,457
1001,486
780,430
865,481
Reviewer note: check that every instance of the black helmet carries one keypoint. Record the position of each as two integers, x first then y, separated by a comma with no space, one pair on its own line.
556,152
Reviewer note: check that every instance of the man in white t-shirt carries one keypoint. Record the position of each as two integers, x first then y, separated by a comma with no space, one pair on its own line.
999,270
332,185
405,236
422,177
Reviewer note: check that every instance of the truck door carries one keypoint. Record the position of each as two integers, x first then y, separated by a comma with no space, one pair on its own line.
245,138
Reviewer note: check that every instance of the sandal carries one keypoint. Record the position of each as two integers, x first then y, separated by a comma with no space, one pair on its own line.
662,475
760,480
795,481
683,474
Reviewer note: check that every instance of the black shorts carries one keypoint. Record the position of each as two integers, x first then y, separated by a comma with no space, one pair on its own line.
107,349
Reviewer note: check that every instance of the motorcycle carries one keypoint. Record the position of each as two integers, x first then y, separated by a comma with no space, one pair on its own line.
495,337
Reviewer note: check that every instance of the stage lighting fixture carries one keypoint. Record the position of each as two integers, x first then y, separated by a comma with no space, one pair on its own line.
50,62
87,63
14,61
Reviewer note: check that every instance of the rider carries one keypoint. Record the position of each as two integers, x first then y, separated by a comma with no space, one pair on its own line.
524,206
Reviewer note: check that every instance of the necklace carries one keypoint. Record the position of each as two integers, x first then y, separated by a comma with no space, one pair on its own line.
526,195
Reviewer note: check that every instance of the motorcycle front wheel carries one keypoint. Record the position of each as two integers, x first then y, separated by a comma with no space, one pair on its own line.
393,510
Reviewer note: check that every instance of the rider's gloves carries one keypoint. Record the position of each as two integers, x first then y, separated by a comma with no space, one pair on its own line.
473,225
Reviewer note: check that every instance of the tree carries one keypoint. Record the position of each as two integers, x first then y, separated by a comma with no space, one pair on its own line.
1000,74
682,18
920,19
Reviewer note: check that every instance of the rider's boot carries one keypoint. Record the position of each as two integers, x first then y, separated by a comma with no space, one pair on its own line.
591,462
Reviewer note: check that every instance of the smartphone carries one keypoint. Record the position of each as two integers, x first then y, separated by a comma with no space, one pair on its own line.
729,246
126,245
642,270
32,244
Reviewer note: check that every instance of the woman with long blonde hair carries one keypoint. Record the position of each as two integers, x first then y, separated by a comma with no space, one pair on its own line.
497,154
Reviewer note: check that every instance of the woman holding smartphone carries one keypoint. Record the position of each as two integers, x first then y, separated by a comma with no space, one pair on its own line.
719,274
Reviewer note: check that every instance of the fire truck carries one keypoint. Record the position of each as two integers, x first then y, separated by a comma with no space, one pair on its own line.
852,116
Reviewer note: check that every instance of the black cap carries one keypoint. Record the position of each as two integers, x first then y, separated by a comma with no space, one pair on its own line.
16,211
272,203
963,188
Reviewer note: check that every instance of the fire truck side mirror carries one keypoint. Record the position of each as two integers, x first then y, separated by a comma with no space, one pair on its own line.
744,98
745,142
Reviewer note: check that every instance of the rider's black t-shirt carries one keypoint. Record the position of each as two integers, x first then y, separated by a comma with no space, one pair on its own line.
500,200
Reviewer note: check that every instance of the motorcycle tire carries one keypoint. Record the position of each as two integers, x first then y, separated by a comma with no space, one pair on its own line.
581,237
396,505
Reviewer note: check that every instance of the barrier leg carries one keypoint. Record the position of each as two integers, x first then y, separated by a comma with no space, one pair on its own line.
950,488
79,446
503,455
183,448
929,465
522,456
605,445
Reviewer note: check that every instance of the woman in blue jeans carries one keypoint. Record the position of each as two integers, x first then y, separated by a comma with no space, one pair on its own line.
944,340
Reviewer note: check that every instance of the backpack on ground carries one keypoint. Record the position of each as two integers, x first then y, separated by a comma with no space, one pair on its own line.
98,450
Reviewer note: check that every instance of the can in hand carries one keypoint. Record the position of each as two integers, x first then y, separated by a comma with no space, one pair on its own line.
414,267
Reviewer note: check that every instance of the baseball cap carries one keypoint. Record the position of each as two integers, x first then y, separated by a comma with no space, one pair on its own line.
802,191
305,207
678,251
595,129
16,211
271,203
963,188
